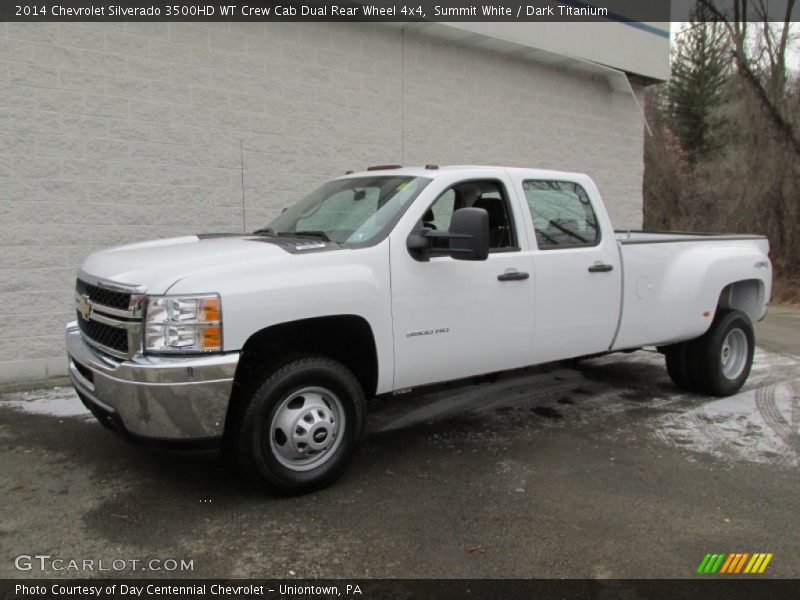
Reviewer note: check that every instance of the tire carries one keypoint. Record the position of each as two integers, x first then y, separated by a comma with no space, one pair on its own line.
720,360
300,427
678,366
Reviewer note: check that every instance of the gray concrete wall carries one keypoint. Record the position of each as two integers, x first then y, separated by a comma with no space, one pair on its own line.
111,133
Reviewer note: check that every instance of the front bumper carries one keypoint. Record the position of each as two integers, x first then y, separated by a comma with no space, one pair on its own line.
178,401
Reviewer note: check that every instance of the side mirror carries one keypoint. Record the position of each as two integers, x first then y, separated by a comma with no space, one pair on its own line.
467,239
469,234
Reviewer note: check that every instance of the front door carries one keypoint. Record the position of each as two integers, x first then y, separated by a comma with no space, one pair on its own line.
455,318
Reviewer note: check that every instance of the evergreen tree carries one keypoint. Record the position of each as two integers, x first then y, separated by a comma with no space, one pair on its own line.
701,67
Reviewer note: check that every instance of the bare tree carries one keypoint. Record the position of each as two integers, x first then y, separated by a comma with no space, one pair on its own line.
770,87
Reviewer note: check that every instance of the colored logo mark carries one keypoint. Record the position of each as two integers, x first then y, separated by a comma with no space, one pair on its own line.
737,562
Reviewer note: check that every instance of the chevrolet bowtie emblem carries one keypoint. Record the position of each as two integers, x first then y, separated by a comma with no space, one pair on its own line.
85,307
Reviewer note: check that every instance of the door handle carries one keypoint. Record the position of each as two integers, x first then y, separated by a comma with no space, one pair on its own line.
512,276
600,268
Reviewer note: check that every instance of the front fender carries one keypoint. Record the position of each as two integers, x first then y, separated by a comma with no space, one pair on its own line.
351,282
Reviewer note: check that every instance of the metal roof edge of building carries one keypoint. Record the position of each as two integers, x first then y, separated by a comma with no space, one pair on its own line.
454,33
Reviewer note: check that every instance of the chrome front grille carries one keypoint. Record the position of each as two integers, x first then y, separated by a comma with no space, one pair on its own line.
110,315
98,295
107,337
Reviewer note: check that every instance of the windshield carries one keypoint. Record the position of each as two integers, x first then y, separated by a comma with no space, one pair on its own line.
350,211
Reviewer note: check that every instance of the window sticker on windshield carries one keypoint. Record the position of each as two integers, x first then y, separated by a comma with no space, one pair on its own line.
402,186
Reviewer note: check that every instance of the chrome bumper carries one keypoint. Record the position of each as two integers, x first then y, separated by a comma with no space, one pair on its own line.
154,399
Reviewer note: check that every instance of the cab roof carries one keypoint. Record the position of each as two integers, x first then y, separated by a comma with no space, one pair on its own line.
434,171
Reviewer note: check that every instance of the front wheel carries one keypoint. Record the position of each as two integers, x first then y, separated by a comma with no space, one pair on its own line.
721,358
301,426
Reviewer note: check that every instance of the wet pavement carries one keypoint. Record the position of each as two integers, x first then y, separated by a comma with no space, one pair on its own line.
604,469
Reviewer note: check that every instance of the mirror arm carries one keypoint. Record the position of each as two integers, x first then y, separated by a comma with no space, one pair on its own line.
445,235
419,242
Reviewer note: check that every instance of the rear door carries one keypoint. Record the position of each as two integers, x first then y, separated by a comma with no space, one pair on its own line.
576,266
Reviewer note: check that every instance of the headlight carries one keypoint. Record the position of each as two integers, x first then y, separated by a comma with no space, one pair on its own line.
183,324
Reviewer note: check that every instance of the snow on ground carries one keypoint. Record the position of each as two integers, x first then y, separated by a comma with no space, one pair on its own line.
756,425
54,402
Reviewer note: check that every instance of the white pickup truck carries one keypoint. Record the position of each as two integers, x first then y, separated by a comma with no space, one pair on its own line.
269,343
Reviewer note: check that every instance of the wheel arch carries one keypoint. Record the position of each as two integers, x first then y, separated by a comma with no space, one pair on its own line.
348,339
747,296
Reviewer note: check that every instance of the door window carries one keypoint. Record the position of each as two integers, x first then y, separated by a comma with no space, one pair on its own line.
562,215
486,194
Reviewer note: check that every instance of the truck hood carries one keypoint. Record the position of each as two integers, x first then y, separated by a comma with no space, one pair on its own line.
159,264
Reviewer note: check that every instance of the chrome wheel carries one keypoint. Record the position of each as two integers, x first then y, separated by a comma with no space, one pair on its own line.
733,356
307,428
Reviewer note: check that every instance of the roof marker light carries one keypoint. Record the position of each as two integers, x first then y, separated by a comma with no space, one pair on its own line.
384,167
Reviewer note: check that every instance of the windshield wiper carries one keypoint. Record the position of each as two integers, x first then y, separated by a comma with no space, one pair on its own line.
264,231
320,235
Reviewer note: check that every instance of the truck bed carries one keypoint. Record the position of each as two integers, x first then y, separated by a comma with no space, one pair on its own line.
672,283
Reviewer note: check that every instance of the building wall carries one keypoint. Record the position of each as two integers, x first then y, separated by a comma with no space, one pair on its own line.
111,133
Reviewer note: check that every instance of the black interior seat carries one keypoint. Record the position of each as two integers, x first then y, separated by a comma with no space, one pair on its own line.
498,221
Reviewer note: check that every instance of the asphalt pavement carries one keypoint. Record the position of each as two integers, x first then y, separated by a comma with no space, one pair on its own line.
600,470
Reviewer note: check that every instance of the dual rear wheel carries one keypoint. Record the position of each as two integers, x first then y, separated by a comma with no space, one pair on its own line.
718,362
